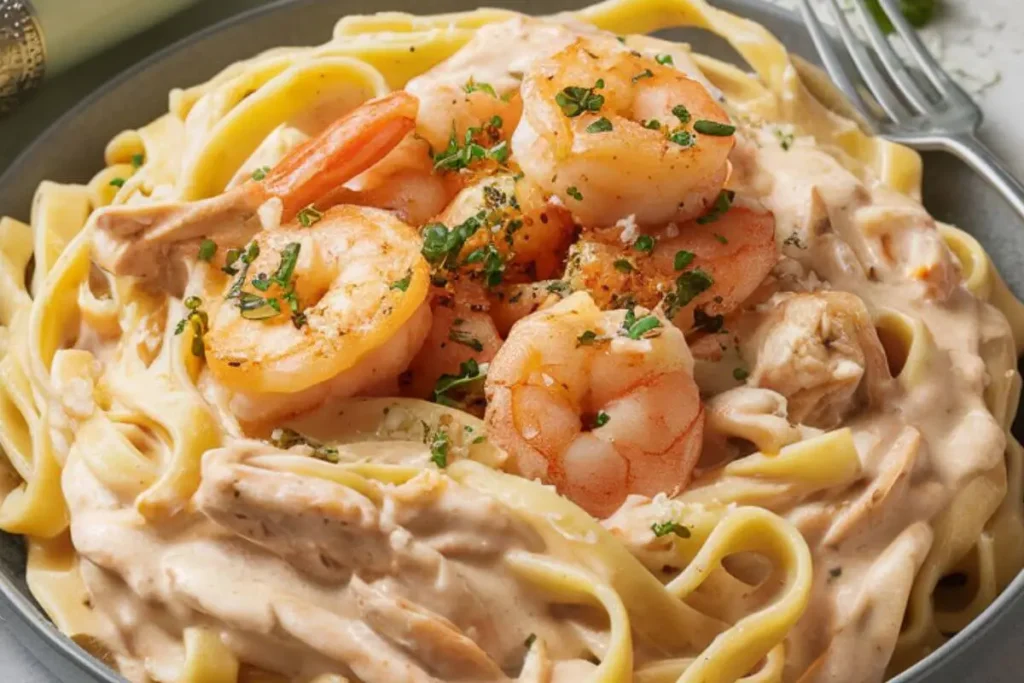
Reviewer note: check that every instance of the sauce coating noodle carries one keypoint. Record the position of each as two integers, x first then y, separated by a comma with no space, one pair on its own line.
858,497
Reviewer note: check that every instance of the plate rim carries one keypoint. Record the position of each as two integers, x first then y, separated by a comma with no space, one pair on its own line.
22,607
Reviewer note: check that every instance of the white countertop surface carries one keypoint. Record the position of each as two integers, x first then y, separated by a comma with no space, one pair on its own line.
981,44
980,41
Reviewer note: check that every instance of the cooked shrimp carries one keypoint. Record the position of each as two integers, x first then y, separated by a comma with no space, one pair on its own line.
462,329
156,241
404,182
706,270
422,175
600,404
333,308
511,221
614,134
448,111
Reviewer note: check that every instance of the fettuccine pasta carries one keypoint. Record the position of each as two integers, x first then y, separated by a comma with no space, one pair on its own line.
486,347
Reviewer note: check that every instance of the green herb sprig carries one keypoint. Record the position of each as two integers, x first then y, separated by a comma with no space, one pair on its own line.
284,438
665,528
574,100
199,321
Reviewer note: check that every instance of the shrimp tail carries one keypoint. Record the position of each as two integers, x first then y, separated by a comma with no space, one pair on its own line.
342,151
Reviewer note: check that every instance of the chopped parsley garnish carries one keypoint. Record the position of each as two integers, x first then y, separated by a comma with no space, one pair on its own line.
623,265
138,160
466,339
117,182
510,230
197,319
785,139
260,173
740,374
642,326
574,100
682,113
714,128
587,338
285,270
439,448
530,640
722,203
207,250
574,192
255,307
499,152
470,372
646,73
403,284
559,287
601,419
246,256
602,125
683,258
644,243
682,138
261,282
691,283
653,124
835,573
665,528
474,86
284,438
493,263
442,246
721,239
688,286
664,59
457,156
309,216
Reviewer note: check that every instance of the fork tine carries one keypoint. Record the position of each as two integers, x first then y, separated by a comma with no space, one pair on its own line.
929,65
897,69
872,76
831,59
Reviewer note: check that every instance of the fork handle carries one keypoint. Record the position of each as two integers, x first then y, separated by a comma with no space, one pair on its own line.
979,157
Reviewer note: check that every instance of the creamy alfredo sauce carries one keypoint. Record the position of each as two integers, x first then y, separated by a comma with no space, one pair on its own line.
300,573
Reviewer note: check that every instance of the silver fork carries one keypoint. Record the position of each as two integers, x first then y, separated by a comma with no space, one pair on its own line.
931,113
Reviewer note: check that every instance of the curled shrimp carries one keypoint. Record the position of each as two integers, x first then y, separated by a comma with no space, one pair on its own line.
461,330
157,241
320,311
512,223
404,182
615,134
702,270
447,111
422,175
599,403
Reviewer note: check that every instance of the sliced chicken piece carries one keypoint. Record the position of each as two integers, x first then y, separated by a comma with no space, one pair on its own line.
323,528
821,351
428,637
158,241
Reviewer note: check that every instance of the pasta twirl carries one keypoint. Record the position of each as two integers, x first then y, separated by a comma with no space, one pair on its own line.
768,441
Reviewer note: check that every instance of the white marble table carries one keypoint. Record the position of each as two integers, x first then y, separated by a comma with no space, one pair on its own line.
980,41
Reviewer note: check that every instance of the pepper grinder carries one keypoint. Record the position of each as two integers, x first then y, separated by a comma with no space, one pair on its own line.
41,38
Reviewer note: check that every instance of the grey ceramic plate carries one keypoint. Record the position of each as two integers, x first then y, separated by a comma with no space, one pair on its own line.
72,150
